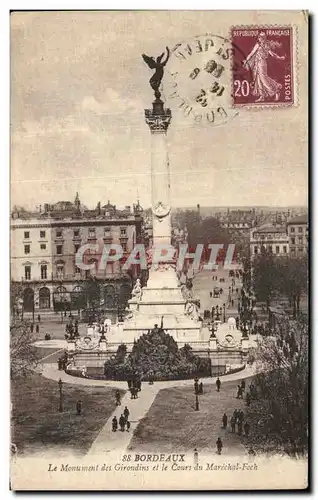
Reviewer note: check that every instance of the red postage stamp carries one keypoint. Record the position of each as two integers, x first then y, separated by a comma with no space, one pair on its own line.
262,67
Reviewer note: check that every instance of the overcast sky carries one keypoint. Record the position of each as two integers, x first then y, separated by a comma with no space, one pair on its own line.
79,89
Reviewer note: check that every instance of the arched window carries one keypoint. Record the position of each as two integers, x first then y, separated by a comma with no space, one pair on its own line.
78,298
44,298
28,300
124,294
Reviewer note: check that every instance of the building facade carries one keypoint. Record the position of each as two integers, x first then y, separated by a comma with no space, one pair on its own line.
270,238
43,250
297,230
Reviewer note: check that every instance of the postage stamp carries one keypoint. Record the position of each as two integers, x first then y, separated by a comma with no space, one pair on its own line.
268,76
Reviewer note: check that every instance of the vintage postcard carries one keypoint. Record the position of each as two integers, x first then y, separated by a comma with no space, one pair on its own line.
159,250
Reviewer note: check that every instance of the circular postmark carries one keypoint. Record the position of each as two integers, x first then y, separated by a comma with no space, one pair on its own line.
200,78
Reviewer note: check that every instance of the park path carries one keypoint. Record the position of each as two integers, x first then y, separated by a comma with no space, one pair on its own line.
50,370
114,444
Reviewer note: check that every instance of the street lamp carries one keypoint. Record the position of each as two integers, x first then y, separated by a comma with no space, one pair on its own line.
223,313
61,395
196,392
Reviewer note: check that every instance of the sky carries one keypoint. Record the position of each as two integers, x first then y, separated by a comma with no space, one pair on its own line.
79,88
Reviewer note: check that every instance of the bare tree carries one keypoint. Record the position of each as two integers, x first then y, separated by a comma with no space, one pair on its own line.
24,356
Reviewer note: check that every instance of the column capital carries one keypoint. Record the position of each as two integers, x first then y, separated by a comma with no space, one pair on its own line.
158,118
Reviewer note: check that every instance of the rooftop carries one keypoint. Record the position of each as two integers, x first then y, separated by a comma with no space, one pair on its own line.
300,219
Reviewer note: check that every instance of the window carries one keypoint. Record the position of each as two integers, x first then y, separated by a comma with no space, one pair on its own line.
27,272
300,249
59,249
76,232
60,270
59,234
42,234
293,241
26,235
292,250
300,229
255,250
77,270
43,246
91,232
107,231
76,248
269,236
292,229
123,231
26,248
44,272
277,249
270,248
300,240
284,249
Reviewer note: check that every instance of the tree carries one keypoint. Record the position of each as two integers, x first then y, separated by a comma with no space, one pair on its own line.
278,412
265,277
24,356
16,294
292,273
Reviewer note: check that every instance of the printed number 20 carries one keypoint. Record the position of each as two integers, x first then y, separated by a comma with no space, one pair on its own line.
242,88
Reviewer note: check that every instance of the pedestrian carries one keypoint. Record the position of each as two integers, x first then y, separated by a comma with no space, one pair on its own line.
122,422
210,295
128,425
248,399
195,456
224,421
219,446
239,392
243,385
37,328
79,407
114,424
200,388
239,428
31,327
246,429
126,413
233,421
39,318
232,303
218,384
117,396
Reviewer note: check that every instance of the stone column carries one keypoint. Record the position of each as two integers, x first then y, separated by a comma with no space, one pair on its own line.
158,118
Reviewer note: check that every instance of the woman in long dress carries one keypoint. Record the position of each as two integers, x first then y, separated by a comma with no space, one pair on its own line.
263,85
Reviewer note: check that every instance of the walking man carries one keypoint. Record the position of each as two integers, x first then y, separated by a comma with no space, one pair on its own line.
233,420
114,424
219,446
218,384
126,413
122,422
79,407
117,396
224,420
128,425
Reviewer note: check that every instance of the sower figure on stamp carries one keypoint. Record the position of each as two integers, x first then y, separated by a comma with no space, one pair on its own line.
264,85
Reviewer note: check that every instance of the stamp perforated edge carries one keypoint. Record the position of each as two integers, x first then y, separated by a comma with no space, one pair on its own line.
295,66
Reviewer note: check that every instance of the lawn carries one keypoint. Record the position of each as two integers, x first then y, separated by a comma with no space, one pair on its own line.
37,425
172,425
